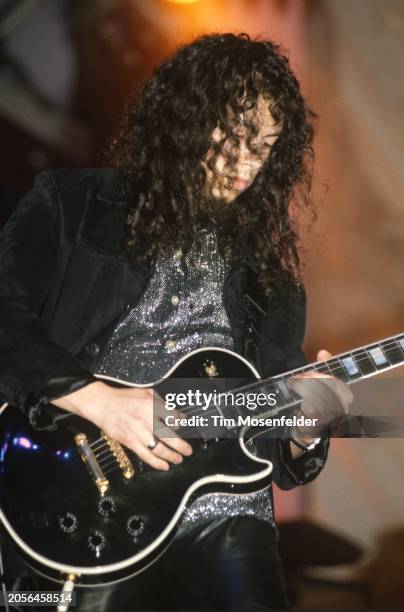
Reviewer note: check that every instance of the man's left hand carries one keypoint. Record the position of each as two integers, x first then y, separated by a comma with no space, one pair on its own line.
325,398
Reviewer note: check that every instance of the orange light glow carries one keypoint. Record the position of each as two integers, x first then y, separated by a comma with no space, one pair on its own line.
182,1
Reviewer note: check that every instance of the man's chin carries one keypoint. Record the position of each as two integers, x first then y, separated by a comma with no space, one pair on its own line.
219,212
228,197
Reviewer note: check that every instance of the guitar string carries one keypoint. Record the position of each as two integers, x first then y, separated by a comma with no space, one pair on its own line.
97,444
111,470
361,355
272,384
101,446
112,461
107,462
100,442
115,466
103,451
327,364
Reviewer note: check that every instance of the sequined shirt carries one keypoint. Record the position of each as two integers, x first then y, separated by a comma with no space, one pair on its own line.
180,310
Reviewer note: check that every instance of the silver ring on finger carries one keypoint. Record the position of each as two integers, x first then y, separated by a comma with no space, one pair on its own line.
152,445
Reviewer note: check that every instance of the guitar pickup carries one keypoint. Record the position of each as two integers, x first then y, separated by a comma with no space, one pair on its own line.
91,462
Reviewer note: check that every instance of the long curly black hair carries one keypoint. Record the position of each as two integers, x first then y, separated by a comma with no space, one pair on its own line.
167,131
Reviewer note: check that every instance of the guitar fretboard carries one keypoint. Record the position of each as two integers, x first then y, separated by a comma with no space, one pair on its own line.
349,367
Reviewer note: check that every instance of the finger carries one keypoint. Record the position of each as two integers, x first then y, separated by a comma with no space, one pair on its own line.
172,439
160,450
311,374
161,412
171,447
343,391
148,457
164,452
158,402
179,445
336,386
138,440
311,390
310,411
324,355
316,392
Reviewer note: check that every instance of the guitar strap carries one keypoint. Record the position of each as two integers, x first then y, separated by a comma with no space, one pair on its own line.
256,305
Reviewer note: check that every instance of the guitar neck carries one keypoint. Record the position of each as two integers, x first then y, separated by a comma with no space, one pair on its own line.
349,367
360,363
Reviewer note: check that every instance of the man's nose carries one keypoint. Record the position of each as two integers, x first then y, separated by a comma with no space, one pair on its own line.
247,158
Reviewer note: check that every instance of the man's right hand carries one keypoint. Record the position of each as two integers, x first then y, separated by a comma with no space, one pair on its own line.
126,415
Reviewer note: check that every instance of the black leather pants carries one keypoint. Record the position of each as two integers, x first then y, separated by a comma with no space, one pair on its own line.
228,564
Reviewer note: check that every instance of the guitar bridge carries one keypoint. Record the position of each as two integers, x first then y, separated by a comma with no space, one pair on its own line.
91,462
120,456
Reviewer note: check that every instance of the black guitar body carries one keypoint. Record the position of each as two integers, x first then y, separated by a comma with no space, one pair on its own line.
52,509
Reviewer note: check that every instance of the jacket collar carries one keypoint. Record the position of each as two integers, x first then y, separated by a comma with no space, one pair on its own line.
246,256
110,188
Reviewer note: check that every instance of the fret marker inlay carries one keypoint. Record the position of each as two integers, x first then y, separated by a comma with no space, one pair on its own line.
378,356
350,366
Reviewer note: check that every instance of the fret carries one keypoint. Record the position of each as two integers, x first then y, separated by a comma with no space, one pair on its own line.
338,370
364,362
288,395
268,408
281,400
306,368
322,368
218,407
228,409
268,386
229,414
394,352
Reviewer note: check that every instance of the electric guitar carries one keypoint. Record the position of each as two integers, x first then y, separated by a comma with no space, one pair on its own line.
79,506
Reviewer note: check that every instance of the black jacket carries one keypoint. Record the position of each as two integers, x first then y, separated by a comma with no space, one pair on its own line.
64,280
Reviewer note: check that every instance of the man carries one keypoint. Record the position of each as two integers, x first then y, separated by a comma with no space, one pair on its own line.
187,242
